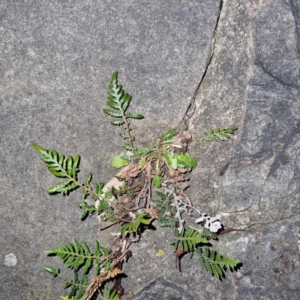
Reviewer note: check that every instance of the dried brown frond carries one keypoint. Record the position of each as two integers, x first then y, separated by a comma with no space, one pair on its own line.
104,276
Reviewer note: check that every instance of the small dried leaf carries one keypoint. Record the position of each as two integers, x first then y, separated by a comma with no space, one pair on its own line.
152,212
130,171
114,272
182,138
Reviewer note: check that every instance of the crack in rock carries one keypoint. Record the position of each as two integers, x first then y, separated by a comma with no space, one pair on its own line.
273,222
184,124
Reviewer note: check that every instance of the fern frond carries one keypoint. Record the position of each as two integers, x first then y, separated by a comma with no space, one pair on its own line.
206,233
215,263
74,284
84,283
62,167
77,286
108,294
218,134
72,298
87,209
86,187
101,253
188,239
119,101
52,271
74,256
140,219
78,255
105,211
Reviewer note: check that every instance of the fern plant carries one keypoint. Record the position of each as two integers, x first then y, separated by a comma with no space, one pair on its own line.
77,256
215,263
135,225
219,134
188,239
119,101
150,186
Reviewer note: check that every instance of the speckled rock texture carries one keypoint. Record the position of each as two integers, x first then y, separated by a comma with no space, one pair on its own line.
209,63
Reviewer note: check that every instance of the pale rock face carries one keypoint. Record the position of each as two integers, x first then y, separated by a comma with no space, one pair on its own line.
57,58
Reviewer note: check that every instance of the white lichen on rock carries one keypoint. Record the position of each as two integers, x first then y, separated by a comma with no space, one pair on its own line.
10,260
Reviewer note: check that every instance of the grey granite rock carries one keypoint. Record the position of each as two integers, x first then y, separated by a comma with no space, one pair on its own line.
253,182
56,60
265,167
165,289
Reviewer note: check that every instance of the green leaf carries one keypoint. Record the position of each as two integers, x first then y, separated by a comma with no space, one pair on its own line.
77,255
119,102
58,188
54,272
119,162
142,163
86,186
162,195
100,252
215,263
135,116
64,188
117,122
108,294
171,159
133,226
188,239
38,148
157,181
185,161
113,104
67,298
125,102
76,161
62,167
117,98
218,134
99,188
75,285
168,135
113,113
84,215
97,252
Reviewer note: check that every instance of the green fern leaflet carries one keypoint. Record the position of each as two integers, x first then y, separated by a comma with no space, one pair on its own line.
135,225
188,239
218,134
110,295
62,167
77,256
215,263
119,101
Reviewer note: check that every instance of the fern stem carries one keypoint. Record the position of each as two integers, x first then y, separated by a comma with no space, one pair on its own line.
128,133
88,189
72,282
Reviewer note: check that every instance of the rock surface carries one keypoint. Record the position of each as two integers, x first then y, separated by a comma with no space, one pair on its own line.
244,57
